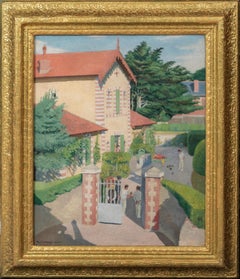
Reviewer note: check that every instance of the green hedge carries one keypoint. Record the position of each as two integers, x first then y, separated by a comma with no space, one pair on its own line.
181,127
180,140
199,158
192,201
194,137
48,191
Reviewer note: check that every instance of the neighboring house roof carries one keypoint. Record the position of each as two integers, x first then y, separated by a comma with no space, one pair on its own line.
137,120
93,63
197,113
76,125
197,88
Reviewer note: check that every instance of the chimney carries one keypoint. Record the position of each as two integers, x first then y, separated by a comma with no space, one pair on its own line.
118,44
196,86
44,49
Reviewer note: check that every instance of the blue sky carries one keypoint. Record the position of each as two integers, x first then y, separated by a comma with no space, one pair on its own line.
186,50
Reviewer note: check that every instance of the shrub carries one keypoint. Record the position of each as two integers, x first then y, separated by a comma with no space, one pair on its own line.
192,201
194,137
199,158
115,164
179,140
48,191
138,144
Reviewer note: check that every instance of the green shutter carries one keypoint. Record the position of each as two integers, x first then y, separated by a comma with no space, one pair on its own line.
112,143
122,143
117,101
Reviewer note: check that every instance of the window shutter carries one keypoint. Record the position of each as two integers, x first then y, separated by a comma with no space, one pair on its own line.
117,101
112,143
122,143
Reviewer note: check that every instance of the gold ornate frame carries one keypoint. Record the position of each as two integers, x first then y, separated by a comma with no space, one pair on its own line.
218,21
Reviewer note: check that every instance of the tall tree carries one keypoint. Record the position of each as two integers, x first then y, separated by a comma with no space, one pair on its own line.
200,74
50,137
158,93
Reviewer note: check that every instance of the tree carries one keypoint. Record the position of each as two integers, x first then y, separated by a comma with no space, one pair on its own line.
96,152
76,154
158,93
50,137
200,74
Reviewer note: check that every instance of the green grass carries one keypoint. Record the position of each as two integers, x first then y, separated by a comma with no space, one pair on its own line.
48,191
181,127
191,200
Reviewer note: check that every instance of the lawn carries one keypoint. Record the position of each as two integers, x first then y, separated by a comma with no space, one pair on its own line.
48,191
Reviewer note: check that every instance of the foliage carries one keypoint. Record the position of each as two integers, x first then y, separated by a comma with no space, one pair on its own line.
115,164
158,93
96,152
178,127
194,137
192,201
149,137
200,74
48,191
138,143
199,158
76,153
49,137
180,141
198,182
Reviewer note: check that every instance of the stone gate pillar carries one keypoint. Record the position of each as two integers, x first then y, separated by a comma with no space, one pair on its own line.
91,177
152,198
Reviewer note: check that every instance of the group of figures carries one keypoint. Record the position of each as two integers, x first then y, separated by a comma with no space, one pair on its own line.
115,194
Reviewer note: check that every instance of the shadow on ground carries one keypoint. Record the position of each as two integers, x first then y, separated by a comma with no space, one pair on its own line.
55,235
171,220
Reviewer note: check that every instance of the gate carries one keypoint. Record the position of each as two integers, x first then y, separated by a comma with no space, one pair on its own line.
109,201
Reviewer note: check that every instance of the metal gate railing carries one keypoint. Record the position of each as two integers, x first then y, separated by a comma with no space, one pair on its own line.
110,191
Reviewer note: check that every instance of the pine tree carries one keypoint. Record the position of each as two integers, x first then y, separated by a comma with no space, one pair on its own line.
50,137
159,93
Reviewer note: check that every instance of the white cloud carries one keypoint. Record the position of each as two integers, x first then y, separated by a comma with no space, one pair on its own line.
166,38
39,45
194,58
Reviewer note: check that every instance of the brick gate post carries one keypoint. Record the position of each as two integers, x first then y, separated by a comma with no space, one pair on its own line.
152,198
91,177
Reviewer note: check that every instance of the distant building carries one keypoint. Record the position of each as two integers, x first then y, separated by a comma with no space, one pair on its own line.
95,90
197,89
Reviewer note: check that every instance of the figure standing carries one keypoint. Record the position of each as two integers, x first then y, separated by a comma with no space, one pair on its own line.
181,157
137,196
124,196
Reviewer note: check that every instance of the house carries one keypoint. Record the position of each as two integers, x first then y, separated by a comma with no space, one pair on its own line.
198,90
95,89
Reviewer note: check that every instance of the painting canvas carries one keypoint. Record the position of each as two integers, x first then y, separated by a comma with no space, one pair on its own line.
119,140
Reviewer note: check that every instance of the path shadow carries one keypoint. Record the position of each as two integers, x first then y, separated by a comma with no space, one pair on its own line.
131,212
49,231
171,220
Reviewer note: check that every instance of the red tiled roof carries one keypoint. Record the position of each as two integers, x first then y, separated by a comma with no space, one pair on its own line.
76,125
137,120
93,63
194,113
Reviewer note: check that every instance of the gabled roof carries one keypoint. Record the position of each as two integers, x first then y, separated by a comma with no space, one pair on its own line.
76,125
93,63
137,120
201,88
